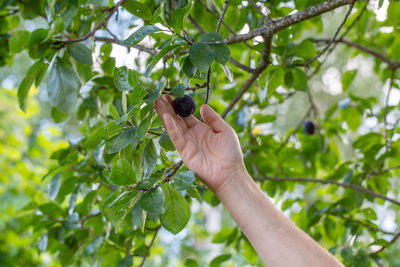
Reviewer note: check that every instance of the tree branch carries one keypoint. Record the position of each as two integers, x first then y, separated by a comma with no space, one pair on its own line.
240,65
118,42
221,18
391,242
112,10
280,24
295,130
313,180
257,72
149,246
332,40
232,60
387,138
391,64
223,22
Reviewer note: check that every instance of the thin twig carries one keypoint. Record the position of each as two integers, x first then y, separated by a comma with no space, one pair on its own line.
208,86
295,130
172,171
83,220
308,62
221,18
112,10
196,25
364,224
390,63
257,72
375,173
223,22
391,242
314,180
9,14
387,138
232,60
149,246
143,48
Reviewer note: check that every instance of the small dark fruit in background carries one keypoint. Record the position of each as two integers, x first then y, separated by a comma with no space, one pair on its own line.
184,106
309,127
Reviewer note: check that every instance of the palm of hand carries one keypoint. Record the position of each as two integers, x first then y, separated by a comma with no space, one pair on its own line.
211,155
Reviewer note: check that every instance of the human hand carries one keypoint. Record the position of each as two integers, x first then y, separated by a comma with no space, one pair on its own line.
211,150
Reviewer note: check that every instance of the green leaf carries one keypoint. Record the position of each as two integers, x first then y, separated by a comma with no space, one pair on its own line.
217,261
58,116
153,201
27,82
127,261
305,50
51,209
138,9
153,95
201,56
138,35
222,235
300,80
187,67
93,246
80,53
158,57
122,173
194,193
165,142
114,197
124,138
18,41
121,79
248,252
149,159
177,211
149,182
143,127
183,180
221,51
54,186
62,86
110,259
178,16
113,112
348,78
191,263
178,90
276,79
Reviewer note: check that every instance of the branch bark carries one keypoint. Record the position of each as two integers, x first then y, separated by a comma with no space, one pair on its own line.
257,72
285,22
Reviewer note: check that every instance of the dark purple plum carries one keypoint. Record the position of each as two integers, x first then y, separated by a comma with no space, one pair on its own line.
309,127
184,106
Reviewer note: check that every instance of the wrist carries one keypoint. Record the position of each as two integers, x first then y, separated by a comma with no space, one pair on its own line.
235,179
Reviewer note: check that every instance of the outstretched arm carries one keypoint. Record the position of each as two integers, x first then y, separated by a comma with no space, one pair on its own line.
213,152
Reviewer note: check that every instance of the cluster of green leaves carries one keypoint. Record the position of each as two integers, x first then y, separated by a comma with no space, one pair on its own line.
121,180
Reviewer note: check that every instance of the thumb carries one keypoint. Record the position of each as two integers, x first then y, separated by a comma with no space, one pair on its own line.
213,119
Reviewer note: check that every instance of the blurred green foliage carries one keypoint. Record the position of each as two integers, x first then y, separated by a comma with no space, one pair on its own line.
111,194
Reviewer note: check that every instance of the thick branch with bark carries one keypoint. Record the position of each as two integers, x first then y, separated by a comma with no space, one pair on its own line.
288,21
263,65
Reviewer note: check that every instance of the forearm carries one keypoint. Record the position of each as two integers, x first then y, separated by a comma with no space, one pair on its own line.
275,238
